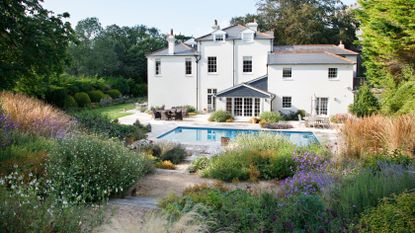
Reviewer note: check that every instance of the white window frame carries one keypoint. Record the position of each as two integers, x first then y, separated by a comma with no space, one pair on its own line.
247,58
157,67
255,106
215,65
186,63
318,105
286,69
211,92
331,71
291,102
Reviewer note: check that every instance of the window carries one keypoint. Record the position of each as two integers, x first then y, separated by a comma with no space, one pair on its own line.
211,99
219,37
188,66
257,107
229,105
287,72
237,106
332,72
286,102
322,105
248,36
247,64
247,106
212,65
158,67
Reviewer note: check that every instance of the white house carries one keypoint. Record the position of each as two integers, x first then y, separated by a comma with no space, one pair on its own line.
238,69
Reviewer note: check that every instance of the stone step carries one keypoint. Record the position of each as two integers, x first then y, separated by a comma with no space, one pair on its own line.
142,202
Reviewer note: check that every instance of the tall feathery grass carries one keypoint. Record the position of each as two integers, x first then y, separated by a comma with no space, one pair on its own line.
373,135
34,116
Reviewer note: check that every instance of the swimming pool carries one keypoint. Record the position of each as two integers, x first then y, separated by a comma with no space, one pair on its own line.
193,135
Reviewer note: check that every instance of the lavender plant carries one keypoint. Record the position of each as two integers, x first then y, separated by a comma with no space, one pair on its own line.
6,128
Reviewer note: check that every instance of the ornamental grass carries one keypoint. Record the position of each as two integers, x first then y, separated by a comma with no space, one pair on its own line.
34,116
363,137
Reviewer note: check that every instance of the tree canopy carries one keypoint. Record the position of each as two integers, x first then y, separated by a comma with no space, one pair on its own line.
304,21
33,41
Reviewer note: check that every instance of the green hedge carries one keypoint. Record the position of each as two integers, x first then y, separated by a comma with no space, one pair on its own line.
96,95
114,93
221,116
82,99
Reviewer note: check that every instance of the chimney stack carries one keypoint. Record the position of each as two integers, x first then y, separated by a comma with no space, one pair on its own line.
215,25
171,41
253,25
341,45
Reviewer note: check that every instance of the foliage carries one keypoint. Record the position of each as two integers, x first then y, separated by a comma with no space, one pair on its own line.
395,215
387,38
277,126
365,189
34,116
339,118
6,129
88,168
378,135
269,117
398,98
33,42
114,93
175,153
96,96
96,122
199,164
105,101
292,116
56,96
221,116
69,103
365,103
376,162
165,164
25,208
82,99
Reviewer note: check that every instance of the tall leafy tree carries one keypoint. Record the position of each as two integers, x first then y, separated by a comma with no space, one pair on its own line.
33,41
388,38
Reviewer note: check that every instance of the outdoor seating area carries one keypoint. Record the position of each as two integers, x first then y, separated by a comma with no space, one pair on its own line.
317,121
168,114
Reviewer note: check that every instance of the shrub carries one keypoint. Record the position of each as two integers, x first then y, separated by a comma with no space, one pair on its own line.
199,164
375,162
292,116
56,96
175,153
364,190
365,103
378,135
70,102
277,126
269,117
221,116
96,96
391,216
139,90
114,93
120,84
34,116
228,166
87,168
82,99
96,123
166,164
105,100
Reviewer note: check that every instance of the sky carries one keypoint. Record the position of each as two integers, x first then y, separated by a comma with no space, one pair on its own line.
188,17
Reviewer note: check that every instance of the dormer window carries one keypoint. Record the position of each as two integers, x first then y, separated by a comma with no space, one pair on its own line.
219,36
248,36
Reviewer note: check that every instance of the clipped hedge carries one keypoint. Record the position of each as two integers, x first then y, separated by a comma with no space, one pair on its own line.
82,99
114,93
96,95
70,102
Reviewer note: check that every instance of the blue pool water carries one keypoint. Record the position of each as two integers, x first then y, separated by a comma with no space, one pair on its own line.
194,135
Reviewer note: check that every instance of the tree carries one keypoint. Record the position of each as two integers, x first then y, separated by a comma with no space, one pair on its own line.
33,41
304,21
365,103
388,38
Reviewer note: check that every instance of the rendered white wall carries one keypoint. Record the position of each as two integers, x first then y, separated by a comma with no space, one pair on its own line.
309,81
172,87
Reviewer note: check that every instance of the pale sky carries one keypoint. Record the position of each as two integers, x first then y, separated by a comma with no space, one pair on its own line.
189,17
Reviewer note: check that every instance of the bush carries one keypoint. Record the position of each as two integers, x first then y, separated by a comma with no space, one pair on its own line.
96,96
379,135
96,123
391,216
199,164
82,99
228,166
175,153
139,90
365,103
114,93
166,164
105,100
70,102
277,126
34,116
56,96
221,116
269,117
293,116
120,84
87,168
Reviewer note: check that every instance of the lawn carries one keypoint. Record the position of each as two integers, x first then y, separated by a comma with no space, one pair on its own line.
116,111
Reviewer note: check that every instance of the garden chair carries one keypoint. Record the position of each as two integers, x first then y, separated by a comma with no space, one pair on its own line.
156,115
178,116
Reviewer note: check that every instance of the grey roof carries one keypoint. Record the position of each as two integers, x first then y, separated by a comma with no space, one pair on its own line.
331,48
234,33
180,49
244,90
260,83
306,58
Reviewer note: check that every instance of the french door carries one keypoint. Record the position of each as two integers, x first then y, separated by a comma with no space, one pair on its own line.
240,106
211,99
322,105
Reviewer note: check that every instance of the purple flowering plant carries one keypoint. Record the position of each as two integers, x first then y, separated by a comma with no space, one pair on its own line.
6,128
310,175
